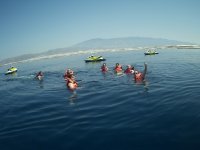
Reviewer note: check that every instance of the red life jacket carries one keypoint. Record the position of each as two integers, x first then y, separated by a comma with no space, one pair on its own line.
118,68
128,70
104,69
139,76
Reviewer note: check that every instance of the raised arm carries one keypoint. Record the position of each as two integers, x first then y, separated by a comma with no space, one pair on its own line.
145,70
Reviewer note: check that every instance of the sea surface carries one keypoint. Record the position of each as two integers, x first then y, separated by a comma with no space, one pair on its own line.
107,111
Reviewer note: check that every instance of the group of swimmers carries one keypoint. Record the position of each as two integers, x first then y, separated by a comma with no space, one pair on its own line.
68,77
138,76
72,84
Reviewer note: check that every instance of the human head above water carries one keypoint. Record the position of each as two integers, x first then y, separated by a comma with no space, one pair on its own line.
69,71
128,66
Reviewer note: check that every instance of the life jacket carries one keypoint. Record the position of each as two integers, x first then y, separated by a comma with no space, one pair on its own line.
139,76
129,70
118,68
104,69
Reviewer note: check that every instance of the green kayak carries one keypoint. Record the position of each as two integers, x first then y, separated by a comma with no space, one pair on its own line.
94,59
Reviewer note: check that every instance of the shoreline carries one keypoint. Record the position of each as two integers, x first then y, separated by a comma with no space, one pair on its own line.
96,51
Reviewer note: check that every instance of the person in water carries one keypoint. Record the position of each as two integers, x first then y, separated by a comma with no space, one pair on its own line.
39,75
129,69
139,76
70,79
118,67
104,68
69,74
11,68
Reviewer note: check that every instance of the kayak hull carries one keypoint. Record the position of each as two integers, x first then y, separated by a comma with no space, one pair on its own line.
95,60
10,72
151,53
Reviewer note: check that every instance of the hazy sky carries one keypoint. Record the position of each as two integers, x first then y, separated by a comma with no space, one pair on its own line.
30,26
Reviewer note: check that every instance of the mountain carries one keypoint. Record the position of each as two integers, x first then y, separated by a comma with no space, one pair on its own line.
98,43
125,42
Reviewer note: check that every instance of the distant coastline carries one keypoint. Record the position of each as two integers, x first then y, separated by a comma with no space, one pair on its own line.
103,45
64,54
185,46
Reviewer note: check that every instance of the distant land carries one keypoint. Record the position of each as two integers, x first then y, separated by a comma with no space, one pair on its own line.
102,45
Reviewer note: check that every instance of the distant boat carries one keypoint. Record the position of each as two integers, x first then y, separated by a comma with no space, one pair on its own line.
94,59
151,52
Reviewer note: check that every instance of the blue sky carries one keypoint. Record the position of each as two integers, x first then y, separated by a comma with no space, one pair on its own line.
31,26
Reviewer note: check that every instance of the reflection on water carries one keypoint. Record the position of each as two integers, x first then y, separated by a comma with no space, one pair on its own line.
73,97
41,83
11,76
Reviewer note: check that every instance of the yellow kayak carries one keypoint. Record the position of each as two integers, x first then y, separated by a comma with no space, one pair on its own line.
95,59
11,70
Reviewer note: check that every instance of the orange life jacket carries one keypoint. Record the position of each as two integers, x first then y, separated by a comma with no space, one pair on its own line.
139,76
118,68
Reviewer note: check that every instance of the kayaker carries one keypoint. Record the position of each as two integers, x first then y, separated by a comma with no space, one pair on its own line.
129,69
118,67
104,68
11,68
139,76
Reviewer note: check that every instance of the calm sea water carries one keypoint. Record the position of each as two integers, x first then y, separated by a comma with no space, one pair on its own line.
107,111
